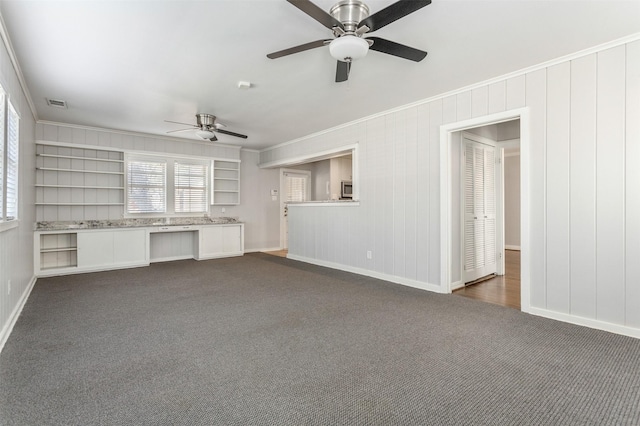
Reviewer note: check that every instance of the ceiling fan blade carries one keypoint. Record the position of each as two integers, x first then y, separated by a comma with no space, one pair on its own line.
226,132
342,71
296,49
316,13
392,13
397,49
177,122
181,130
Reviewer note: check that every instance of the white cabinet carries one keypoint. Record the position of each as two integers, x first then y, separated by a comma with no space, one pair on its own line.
221,241
107,249
87,250
95,248
60,252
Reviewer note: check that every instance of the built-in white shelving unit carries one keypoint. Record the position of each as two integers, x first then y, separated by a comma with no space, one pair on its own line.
58,250
225,182
70,180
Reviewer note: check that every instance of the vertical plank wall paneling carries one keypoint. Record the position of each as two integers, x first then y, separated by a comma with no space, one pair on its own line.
422,194
411,184
16,244
516,91
497,101
435,120
557,205
610,260
632,178
399,228
583,189
584,197
536,100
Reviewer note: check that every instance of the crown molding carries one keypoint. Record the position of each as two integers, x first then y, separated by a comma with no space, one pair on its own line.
6,40
518,73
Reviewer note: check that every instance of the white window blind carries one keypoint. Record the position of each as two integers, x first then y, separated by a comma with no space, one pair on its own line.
146,186
296,187
2,115
190,190
13,132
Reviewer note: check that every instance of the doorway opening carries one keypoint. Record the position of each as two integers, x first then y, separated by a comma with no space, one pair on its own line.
485,199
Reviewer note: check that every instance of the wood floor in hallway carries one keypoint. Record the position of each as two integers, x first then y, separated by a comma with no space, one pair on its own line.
501,290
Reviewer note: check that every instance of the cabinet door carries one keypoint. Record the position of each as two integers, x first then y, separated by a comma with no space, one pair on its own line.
231,239
220,241
211,242
95,249
130,247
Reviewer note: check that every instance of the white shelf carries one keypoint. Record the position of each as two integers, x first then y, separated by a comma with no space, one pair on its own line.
225,183
80,158
78,186
79,171
54,250
66,169
79,204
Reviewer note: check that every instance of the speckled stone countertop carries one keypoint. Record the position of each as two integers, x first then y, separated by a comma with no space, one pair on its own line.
132,223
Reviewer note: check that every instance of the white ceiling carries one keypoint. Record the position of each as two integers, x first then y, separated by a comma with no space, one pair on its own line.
130,65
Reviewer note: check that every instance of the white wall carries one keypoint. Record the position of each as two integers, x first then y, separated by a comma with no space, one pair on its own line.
584,197
16,245
256,208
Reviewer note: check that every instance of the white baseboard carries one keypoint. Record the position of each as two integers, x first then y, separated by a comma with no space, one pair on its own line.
263,249
373,274
8,327
586,322
509,247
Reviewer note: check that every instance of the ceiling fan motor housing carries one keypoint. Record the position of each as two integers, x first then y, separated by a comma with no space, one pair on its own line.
350,13
205,120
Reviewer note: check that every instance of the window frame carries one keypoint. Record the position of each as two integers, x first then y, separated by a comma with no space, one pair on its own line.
169,184
9,119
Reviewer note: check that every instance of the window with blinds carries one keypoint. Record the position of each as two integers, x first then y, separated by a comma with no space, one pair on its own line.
13,131
297,187
190,187
146,186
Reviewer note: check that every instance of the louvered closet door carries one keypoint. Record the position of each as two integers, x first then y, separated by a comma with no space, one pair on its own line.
479,210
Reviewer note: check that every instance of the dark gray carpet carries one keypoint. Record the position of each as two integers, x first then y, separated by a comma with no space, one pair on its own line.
265,340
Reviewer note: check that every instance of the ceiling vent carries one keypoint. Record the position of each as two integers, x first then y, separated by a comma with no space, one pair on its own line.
57,103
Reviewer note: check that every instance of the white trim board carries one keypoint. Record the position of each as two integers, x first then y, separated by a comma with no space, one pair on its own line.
446,132
586,322
13,318
373,274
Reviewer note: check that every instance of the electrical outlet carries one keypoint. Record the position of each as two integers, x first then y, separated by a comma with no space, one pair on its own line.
9,287
222,210
369,255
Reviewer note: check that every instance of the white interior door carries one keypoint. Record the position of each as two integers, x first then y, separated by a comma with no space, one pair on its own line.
295,187
479,210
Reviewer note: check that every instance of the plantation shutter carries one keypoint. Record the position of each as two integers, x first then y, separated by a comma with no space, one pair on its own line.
146,186
13,131
480,211
190,188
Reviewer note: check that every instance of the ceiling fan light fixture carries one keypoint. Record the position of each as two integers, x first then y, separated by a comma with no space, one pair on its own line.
205,134
348,48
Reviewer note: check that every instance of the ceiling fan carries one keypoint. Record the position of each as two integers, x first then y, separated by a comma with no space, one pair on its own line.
206,126
349,20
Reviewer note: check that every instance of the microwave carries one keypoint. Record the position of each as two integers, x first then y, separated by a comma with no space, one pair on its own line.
346,191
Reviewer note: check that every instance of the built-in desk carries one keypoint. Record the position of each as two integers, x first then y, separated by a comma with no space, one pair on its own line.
76,250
